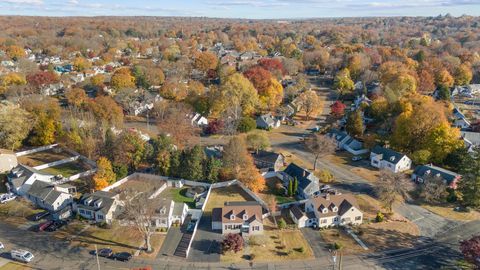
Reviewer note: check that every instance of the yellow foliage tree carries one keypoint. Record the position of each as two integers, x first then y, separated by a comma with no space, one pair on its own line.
122,80
444,78
15,52
81,64
104,175
272,96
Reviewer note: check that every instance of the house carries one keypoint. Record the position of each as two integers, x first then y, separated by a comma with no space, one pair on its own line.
170,212
22,177
265,160
50,197
384,158
424,171
308,183
52,89
329,210
301,218
8,160
100,206
460,121
267,121
361,100
346,142
238,217
198,120
471,140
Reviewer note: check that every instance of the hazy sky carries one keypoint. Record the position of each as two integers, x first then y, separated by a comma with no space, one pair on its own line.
256,9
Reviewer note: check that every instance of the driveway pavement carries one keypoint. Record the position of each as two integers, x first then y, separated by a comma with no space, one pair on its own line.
315,241
206,243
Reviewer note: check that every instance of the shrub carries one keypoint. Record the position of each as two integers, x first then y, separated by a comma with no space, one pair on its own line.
232,242
282,224
379,217
246,124
300,249
337,246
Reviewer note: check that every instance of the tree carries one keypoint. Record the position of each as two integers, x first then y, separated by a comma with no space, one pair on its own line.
282,224
213,167
463,74
232,242
122,78
205,61
270,91
434,189
354,125
47,122
106,109
97,80
193,164
290,188
295,185
141,211
320,146
275,66
43,132
258,140
129,150
42,78
174,123
104,175
310,103
443,92
10,79
426,81
469,186
15,52
246,124
15,124
444,78
76,97
471,249
391,186
338,109
343,83
81,64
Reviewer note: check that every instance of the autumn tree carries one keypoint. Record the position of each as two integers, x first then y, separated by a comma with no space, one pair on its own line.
463,74
270,91
205,61
11,79
343,83
338,109
392,186
175,123
444,78
15,52
397,80
320,146
433,189
274,66
47,124
471,249
76,97
106,109
258,140
354,124
42,78
81,64
15,124
122,78
129,150
104,175
310,103
232,242
97,80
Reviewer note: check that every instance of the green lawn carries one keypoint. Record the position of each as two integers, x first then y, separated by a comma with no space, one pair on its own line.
178,195
67,169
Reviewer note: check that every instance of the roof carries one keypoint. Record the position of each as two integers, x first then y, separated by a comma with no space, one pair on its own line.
177,208
297,212
22,173
343,202
425,170
471,137
266,156
388,154
304,177
266,119
45,192
105,198
253,210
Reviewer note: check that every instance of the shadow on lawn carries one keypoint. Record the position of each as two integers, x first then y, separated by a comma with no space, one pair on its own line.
88,238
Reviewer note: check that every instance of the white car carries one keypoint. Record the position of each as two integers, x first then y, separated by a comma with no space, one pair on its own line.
1,246
22,255
4,198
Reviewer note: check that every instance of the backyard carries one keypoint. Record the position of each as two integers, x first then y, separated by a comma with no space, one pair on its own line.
273,246
67,169
178,195
219,196
275,188
43,157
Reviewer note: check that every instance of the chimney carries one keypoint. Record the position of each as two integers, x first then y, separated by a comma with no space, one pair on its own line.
327,197
304,173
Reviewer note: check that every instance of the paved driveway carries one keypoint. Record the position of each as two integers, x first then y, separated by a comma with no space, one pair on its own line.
314,239
206,243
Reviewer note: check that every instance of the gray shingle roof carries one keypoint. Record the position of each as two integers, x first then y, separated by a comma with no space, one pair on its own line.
388,154
44,191
106,198
425,170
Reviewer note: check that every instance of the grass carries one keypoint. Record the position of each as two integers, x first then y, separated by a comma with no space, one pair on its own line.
219,196
157,242
344,159
42,157
273,246
15,266
178,195
389,235
271,190
67,169
118,238
16,211
448,212
346,241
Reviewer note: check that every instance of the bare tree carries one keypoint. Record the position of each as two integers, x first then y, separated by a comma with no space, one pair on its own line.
392,187
141,212
320,146
434,189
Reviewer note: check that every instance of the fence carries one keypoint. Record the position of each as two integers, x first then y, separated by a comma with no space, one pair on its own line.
56,163
38,149
119,183
158,191
198,221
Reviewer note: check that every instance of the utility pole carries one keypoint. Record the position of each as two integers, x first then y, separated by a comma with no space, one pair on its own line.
334,257
96,255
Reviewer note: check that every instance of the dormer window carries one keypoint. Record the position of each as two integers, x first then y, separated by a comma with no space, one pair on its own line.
392,159
245,217
334,209
98,203
232,217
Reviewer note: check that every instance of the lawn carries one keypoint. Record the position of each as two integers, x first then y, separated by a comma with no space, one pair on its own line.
219,196
157,241
272,190
16,211
15,266
67,169
448,212
273,246
118,238
43,157
344,159
389,235
178,195
346,241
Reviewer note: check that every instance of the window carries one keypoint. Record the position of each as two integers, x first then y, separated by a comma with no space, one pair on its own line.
335,219
323,221
358,218
82,211
100,217
245,217
232,217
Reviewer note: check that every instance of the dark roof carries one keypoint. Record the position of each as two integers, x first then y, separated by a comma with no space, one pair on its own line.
343,202
266,158
106,198
217,214
300,173
44,191
388,154
297,212
425,170
22,173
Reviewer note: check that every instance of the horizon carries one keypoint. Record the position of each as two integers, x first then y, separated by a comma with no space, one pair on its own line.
242,9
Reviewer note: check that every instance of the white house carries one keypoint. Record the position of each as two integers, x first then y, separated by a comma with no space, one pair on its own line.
198,120
169,213
99,206
384,158
267,121
238,217
460,121
50,197
22,177
328,210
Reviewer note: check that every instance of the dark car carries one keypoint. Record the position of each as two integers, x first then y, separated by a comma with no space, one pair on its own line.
53,227
105,252
44,225
40,215
122,256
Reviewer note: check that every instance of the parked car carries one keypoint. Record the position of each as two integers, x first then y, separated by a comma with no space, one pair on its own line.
105,252
357,158
122,256
40,215
6,197
22,255
44,225
53,227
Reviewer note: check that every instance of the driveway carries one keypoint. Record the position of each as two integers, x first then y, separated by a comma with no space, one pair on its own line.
205,245
170,243
315,241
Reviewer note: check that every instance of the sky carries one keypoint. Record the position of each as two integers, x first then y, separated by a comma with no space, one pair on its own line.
252,9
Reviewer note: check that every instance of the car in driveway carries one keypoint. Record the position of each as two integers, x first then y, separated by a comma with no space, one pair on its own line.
21,255
6,197
122,256
40,215
105,252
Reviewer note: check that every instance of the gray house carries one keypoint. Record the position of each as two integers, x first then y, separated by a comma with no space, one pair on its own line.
265,160
267,121
308,183
99,206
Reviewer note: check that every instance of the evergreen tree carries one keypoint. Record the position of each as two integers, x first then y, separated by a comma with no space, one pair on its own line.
469,186
192,163
175,167
290,188
295,185
212,169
